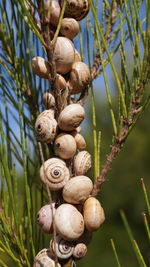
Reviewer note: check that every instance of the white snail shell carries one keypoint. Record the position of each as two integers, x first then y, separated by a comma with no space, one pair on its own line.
93,214
69,28
46,126
41,67
77,9
79,251
45,217
82,162
64,53
79,77
77,189
43,258
71,117
77,56
54,12
54,173
80,141
49,100
65,146
69,222
61,248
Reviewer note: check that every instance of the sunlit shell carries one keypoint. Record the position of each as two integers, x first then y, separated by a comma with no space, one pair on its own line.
76,9
69,27
41,67
82,162
45,217
65,146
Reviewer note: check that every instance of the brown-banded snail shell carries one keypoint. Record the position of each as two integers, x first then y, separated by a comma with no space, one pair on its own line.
82,162
64,53
80,141
43,259
79,251
77,9
71,117
49,100
55,10
65,146
69,222
77,189
46,126
79,77
54,173
41,67
69,27
45,217
93,214
61,248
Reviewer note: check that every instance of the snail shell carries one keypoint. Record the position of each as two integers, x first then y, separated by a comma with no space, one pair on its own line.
43,259
48,100
64,53
65,146
41,67
54,12
80,141
77,56
45,217
71,117
77,189
79,251
54,173
61,82
82,162
93,214
76,9
69,222
69,28
61,248
79,77
46,126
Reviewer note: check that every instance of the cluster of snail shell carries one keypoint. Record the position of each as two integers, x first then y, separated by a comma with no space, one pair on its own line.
78,214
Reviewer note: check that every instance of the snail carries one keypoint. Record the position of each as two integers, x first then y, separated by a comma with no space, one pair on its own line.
79,251
77,9
69,28
41,67
79,77
48,100
61,248
43,259
69,222
45,217
64,54
82,162
80,141
46,126
54,173
65,146
77,189
61,82
55,10
77,56
71,117
93,214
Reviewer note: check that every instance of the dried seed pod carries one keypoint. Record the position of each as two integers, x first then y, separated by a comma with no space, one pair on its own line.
77,189
54,173
54,11
93,214
79,251
76,9
49,100
45,217
79,77
64,53
43,259
41,67
71,117
82,162
69,222
69,27
77,56
80,141
65,146
61,248
46,126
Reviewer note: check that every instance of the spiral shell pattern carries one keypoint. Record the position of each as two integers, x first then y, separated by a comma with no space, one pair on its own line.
76,9
54,173
63,249
43,259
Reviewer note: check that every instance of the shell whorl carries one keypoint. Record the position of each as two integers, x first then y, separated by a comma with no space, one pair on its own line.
61,248
54,173
82,162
